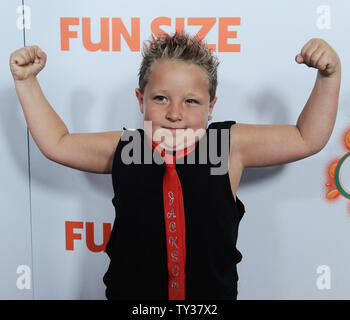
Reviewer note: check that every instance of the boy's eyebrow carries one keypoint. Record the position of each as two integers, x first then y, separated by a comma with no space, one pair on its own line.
194,94
154,91
158,90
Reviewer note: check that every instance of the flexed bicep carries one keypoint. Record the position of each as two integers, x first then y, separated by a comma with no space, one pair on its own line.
90,152
267,145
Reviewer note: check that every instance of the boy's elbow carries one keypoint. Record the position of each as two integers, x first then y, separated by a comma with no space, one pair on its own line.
312,150
49,155
52,152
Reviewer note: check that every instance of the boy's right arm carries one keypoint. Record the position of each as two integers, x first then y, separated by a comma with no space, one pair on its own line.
92,152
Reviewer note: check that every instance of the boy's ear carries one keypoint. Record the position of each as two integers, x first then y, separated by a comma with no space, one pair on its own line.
139,96
211,105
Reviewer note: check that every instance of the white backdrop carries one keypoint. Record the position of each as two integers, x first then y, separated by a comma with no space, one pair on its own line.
295,242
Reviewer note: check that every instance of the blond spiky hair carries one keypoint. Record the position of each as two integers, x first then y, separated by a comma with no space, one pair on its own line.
180,46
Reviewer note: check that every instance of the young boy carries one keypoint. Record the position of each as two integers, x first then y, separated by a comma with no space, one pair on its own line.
175,230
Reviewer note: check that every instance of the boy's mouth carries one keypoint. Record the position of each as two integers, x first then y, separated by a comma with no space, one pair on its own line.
172,128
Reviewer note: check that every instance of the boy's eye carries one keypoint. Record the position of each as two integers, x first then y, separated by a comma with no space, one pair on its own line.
159,98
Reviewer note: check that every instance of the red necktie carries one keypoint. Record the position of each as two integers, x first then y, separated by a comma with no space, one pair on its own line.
174,215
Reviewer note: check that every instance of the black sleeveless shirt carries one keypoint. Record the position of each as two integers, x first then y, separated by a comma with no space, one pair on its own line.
137,245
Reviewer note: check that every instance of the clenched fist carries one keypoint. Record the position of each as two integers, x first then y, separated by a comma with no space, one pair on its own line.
27,62
318,54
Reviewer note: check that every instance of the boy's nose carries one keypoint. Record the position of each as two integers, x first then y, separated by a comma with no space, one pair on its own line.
174,112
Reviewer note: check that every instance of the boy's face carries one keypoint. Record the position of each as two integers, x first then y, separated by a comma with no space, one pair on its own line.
176,100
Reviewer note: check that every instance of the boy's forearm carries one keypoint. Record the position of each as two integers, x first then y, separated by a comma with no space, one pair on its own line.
45,126
316,121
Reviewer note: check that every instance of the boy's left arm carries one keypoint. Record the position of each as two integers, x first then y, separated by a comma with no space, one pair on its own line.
266,145
317,119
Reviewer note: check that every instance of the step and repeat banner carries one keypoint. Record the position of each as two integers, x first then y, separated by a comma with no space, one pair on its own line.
56,221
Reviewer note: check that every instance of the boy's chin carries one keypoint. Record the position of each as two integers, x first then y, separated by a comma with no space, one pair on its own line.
175,142
172,146
178,142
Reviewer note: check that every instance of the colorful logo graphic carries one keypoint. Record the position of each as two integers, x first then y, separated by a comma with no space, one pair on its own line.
338,172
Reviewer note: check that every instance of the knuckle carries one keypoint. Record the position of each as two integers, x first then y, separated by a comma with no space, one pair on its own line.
305,51
24,52
311,42
26,57
323,63
307,55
